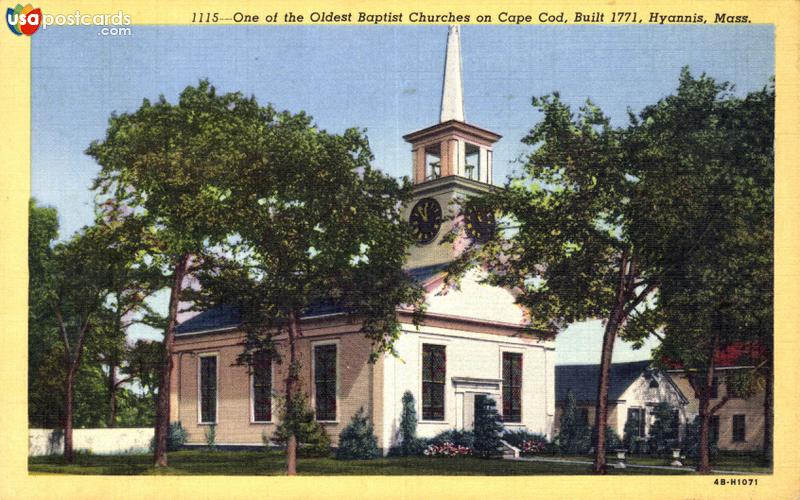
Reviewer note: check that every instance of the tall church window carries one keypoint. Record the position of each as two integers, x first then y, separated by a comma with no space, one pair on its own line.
512,387
434,368
208,389
262,387
325,382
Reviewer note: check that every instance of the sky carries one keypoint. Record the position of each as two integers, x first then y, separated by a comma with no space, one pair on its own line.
384,79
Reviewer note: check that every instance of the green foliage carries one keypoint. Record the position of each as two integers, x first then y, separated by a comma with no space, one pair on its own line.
663,436
488,429
454,436
613,441
574,437
42,332
311,437
530,439
691,441
357,441
714,153
409,444
630,437
176,437
211,437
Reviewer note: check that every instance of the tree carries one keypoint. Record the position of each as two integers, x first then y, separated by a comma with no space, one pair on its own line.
566,244
80,286
163,164
43,401
314,223
488,428
711,154
298,420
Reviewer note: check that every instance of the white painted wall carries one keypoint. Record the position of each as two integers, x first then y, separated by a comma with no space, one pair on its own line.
476,300
469,355
641,395
98,441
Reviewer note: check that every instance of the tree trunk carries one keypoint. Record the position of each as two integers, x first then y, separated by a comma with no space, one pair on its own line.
769,416
704,462
291,382
112,393
70,389
601,408
163,401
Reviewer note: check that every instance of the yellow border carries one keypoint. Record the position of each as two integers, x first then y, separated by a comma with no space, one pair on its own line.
15,188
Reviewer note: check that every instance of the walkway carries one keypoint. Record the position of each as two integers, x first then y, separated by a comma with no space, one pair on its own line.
627,465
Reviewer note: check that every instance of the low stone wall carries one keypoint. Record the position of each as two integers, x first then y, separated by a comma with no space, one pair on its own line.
97,441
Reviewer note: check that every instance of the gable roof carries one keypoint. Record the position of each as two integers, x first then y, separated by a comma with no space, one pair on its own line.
225,317
582,380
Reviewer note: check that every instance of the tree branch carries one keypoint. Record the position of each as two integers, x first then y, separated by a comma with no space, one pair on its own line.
719,405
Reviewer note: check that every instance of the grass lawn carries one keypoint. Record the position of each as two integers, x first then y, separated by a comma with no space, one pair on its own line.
733,461
254,463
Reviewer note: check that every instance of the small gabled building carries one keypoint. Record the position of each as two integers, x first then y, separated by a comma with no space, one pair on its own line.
738,425
634,389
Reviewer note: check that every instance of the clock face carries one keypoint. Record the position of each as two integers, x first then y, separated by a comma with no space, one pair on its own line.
480,225
425,220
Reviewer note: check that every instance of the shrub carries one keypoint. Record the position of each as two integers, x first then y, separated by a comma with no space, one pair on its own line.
357,441
488,429
175,439
630,437
613,440
663,432
410,445
574,437
691,441
447,449
528,442
312,440
211,437
456,437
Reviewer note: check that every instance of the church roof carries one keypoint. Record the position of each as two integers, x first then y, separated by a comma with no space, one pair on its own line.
582,380
224,316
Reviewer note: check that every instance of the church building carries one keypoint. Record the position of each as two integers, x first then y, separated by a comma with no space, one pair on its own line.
470,344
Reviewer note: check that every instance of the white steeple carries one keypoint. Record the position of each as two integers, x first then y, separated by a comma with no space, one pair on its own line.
452,93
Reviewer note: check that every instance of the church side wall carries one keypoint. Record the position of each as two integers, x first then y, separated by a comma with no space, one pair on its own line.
355,388
473,366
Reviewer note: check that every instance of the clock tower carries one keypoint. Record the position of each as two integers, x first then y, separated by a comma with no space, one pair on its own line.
451,161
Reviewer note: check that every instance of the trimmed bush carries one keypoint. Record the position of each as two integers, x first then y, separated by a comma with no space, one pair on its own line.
211,437
488,429
410,445
574,437
613,440
663,432
453,436
312,440
357,441
516,437
175,439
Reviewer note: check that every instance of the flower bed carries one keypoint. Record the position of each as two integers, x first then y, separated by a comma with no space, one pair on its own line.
532,447
447,449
